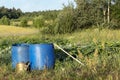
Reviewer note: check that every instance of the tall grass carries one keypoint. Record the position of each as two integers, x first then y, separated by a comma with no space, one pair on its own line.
89,35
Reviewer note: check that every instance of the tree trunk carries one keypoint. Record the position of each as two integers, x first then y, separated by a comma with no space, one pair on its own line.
108,12
104,14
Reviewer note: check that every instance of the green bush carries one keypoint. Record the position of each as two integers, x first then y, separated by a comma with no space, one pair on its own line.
115,16
4,21
64,21
38,22
23,23
48,29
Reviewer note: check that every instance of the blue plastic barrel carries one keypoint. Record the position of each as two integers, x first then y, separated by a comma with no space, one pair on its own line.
20,53
41,56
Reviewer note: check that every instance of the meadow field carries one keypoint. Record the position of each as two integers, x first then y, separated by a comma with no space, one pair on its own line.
89,30
14,31
99,50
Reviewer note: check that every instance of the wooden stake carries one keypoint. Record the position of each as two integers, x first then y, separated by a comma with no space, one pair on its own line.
68,54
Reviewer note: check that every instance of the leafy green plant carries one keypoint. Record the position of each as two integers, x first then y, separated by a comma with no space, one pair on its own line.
100,56
64,21
38,22
23,23
4,21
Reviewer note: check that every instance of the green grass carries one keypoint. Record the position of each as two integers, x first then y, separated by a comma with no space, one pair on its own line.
98,50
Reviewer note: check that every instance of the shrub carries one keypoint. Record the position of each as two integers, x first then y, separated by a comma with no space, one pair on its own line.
48,29
5,21
38,22
64,21
23,23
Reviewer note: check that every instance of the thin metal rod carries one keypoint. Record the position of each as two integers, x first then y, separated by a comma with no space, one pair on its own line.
68,54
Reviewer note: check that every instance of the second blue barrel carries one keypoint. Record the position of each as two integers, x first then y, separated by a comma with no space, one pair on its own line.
41,56
20,53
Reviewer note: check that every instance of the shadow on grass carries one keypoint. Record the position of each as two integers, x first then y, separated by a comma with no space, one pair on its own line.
61,56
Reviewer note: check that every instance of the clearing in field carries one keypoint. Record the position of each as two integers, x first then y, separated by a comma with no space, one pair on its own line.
16,31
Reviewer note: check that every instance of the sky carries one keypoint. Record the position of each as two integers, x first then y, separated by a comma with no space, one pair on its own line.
35,5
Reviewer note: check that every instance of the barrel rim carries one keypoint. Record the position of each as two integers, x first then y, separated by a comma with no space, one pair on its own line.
40,44
20,45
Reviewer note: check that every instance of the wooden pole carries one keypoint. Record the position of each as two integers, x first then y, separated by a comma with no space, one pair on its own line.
68,54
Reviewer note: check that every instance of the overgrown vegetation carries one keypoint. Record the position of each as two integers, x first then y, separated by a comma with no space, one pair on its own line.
23,23
86,14
87,31
38,22
100,56
4,21
64,21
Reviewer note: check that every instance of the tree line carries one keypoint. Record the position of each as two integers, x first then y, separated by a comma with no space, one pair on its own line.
7,14
87,14
10,13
